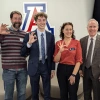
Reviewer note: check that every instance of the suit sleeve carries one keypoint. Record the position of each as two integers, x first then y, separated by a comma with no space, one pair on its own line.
56,48
25,50
82,56
53,48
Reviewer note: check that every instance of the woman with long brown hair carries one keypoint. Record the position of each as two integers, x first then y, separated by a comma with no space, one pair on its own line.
69,55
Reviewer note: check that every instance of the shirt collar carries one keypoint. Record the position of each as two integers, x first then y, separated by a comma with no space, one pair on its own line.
11,28
38,32
94,38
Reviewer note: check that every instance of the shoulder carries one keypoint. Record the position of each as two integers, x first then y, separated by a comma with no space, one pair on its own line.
75,42
59,41
49,33
22,33
84,38
27,34
98,36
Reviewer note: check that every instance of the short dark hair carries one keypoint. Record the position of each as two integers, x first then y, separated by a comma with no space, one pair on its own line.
40,14
15,12
63,26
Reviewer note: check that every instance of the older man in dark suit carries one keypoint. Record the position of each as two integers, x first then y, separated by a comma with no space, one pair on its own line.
40,46
90,69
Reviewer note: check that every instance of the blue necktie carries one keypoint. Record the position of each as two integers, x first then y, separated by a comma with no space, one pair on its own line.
43,48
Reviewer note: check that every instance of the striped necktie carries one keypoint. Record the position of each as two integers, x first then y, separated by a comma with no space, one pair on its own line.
43,48
88,60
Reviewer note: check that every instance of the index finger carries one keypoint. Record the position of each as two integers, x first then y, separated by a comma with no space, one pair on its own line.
4,25
32,33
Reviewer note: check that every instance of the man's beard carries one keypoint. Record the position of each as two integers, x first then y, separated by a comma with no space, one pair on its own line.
17,25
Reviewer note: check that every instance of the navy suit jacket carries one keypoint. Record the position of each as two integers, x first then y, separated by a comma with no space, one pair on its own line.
33,53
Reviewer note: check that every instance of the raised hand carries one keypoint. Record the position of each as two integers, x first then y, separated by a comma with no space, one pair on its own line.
3,29
61,46
32,38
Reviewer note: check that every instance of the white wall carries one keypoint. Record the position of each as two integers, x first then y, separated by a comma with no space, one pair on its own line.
59,11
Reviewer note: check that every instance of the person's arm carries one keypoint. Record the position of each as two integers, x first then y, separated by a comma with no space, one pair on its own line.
27,43
25,50
78,59
53,63
57,57
3,29
53,48
80,69
59,48
76,69
57,53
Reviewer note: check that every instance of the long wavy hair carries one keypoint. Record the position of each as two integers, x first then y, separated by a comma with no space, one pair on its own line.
61,30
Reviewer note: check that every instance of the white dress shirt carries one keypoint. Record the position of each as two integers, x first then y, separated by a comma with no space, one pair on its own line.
89,41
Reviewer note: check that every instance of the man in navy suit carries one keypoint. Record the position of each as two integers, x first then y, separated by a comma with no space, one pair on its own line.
39,45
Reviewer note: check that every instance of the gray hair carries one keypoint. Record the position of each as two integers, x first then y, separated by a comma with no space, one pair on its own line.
93,20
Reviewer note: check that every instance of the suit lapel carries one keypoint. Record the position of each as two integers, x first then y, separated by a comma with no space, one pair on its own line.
47,40
97,43
37,42
85,45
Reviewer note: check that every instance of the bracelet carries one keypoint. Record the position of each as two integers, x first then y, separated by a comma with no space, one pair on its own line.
73,75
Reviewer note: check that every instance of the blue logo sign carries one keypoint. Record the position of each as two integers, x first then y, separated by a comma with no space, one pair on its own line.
30,9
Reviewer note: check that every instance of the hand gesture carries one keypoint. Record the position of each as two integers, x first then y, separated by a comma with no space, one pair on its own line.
61,47
3,29
32,38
